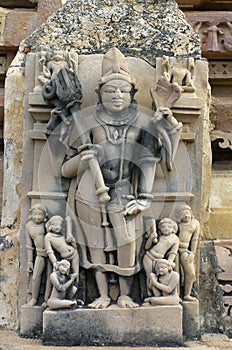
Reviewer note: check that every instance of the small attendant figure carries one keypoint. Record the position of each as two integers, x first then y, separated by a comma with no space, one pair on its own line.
189,239
166,247
60,247
63,291
163,284
35,232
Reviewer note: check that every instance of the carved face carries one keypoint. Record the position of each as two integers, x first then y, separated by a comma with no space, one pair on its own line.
186,215
166,228
37,216
56,226
162,269
64,269
116,95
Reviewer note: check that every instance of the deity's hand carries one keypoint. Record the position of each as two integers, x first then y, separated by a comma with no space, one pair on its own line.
135,206
153,278
164,116
55,266
90,151
172,264
73,276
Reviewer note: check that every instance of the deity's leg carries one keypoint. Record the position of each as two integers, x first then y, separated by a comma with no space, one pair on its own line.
98,257
189,276
91,220
36,279
126,252
147,264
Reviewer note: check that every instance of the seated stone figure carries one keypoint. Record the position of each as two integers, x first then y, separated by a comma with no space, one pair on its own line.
163,284
63,290
166,247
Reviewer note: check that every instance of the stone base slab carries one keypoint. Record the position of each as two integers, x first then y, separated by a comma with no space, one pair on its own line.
31,321
145,326
191,320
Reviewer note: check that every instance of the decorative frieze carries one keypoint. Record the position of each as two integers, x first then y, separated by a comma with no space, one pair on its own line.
220,70
215,30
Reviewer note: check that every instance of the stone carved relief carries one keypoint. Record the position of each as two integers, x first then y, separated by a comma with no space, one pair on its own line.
215,32
111,152
220,70
189,235
63,290
163,284
35,244
166,247
51,62
173,82
223,248
224,136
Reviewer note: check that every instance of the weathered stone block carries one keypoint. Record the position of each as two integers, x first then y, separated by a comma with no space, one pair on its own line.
145,326
31,321
191,319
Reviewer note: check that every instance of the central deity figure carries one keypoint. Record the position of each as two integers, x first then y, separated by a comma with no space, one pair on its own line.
113,173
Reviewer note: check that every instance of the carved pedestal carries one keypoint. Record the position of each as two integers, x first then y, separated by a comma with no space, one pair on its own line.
191,317
145,326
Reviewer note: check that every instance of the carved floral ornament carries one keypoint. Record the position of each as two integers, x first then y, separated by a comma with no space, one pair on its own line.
224,136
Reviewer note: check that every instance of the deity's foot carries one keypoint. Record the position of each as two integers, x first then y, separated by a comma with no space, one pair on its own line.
80,302
147,301
189,298
126,302
32,302
100,303
44,305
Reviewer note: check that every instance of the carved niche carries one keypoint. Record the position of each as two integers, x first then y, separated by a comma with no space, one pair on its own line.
109,170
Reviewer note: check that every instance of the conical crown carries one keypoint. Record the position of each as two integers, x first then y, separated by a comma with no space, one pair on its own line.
114,66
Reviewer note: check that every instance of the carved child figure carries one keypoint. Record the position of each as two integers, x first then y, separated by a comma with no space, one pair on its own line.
56,242
63,290
189,239
167,246
163,284
35,232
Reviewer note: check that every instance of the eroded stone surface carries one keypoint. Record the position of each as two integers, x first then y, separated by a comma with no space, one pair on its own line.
143,326
143,29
